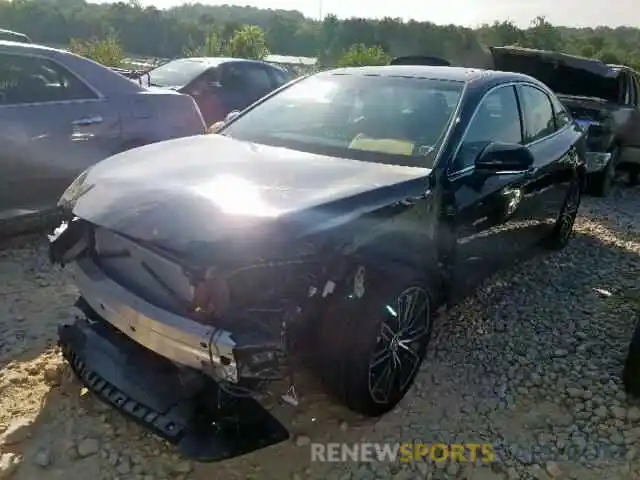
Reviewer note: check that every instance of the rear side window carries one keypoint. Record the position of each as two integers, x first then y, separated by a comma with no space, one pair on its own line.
562,115
539,120
278,78
26,79
258,79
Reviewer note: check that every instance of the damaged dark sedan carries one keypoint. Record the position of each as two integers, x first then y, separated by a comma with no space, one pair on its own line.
315,236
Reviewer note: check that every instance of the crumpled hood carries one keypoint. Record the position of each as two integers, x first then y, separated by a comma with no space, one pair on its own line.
200,189
563,73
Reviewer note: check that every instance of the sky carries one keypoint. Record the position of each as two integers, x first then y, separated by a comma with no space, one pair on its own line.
459,12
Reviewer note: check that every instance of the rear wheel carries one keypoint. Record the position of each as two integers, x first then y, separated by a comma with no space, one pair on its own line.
379,340
562,230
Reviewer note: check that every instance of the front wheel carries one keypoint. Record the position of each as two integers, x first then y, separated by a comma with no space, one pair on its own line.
563,228
379,340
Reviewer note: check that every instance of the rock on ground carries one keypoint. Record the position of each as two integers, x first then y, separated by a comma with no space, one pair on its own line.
530,364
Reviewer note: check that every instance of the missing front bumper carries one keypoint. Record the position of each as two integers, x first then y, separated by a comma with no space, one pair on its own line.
190,412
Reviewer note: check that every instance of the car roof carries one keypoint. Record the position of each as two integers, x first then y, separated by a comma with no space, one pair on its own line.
452,74
12,32
215,61
27,47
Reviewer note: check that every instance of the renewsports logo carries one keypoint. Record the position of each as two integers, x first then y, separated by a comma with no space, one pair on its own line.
402,452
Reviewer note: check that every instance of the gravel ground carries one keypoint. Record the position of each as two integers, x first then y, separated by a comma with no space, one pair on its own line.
531,364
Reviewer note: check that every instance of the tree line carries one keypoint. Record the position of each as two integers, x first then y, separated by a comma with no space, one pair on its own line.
109,30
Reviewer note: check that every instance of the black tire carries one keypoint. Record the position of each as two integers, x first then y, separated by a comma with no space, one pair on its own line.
563,228
358,332
600,183
631,372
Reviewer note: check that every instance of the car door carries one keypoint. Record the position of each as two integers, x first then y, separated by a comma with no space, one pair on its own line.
494,216
551,140
52,127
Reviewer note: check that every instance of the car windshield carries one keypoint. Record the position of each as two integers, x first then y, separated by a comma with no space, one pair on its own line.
177,73
386,119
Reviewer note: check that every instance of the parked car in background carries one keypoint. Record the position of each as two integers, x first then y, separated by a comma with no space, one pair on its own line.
10,36
322,226
219,85
61,113
603,98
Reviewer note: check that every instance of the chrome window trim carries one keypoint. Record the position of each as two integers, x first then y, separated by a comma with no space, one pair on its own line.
99,96
513,84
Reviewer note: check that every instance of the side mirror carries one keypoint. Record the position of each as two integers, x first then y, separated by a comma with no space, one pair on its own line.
504,157
232,115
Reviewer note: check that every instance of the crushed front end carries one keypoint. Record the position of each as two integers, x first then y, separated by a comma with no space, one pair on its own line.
182,349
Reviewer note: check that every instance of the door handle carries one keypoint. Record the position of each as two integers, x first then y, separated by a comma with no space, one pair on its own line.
87,121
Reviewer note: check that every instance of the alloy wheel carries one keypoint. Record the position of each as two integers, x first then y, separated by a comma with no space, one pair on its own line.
399,348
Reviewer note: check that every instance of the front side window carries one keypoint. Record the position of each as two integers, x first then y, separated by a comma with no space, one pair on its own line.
373,118
538,115
26,79
497,119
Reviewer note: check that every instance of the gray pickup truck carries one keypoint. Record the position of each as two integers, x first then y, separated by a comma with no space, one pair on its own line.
604,99
61,113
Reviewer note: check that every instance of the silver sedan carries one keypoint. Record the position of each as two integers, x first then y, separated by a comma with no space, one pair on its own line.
61,113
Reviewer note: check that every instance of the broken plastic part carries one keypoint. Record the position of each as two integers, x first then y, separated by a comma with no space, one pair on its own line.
290,397
329,288
359,282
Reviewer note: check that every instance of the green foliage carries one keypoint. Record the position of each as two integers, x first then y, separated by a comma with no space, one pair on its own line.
212,47
107,51
248,42
359,55
150,32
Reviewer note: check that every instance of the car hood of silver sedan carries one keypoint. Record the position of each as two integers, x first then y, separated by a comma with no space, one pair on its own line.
199,189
